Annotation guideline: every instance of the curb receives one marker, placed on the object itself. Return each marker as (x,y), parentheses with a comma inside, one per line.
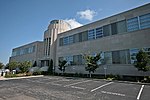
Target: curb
(138,83)
(20,77)
(116,81)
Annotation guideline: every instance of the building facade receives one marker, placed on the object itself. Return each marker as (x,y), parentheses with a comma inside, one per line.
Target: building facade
(30,52)
(50,36)
(118,37)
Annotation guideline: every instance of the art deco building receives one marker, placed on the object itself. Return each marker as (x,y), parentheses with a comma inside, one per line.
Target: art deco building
(118,37)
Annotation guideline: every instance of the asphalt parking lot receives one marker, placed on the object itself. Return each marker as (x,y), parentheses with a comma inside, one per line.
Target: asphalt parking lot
(67,88)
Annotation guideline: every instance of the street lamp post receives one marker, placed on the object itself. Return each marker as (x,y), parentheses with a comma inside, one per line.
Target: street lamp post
(105,70)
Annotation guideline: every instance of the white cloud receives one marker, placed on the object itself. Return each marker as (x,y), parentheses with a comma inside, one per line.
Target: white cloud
(73,23)
(87,14)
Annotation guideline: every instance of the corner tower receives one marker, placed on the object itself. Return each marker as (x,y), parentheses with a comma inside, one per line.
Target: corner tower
(50,36)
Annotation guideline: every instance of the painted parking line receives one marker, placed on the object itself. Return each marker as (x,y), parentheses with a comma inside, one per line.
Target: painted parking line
(77,83)
(113,93)
(63,80)
(35,81)
(140,92)
(101,86)
(78,87)
(54,84)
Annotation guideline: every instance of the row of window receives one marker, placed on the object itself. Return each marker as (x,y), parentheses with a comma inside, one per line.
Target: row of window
(127,56)
(47,44)
(139,22)
(133,24)
(23,51)
(73,60)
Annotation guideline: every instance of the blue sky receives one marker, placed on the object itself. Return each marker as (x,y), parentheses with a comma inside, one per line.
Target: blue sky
(24,21)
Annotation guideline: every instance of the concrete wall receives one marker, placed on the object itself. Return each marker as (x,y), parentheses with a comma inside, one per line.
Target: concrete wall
(115,69)
(137,39)
(35,56)
(127,40)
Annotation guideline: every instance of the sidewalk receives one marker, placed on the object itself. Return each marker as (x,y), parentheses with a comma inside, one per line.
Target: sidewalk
(3,78)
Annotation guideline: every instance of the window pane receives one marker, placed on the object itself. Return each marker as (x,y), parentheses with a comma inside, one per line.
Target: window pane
(132,24)
(106,30)
(114,28)
(124,57)
(85,36)
(76,38)
(14,53)
(99,32)
(69,60)
(147,50)
(121,27)
(145,21)
(115,57)
(70,39)
(66,40)
(91,34)
(77,59)
(108,58)
(80,37)
(133,53)
(61,42)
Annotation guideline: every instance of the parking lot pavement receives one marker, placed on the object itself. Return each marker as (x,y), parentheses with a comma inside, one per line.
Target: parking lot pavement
(68,88)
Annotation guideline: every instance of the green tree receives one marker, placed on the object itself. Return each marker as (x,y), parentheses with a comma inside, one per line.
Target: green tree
(1,65)
(50,68)
(92,63)
(143,61)
(62,65)
(24,66)
(12,65)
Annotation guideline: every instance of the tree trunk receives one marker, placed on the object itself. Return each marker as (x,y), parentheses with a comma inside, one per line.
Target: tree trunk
(90,74)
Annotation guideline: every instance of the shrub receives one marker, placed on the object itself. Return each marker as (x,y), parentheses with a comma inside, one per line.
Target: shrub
(113,77)
(29,74)
(37,73)
(10,75)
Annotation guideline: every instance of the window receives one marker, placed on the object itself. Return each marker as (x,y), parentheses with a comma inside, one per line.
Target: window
(115,57)
(144,21)
(69,60)
(99,32)
(124,57)
(114,28)
(121,27)
(91,34)
(120,57)
(147,50)
(132,24)
(77,59)
(76,38)
(21,52)
(108,57)
(30,50)
(54,22)
(84,36)
(106,30)
(65,40)
(14,53)
(33,49)
(70,39)
(80,37)
(61,42)
(133,53)
(101,60)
